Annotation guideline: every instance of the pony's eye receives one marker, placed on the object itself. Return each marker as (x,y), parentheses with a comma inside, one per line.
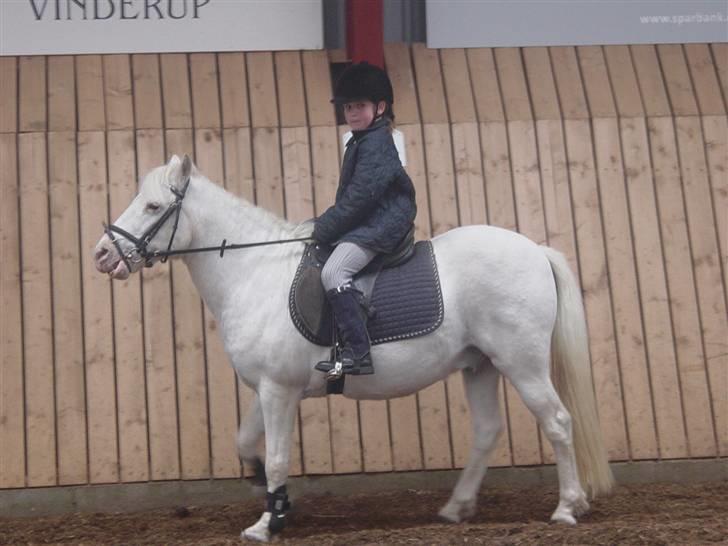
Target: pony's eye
(152,207)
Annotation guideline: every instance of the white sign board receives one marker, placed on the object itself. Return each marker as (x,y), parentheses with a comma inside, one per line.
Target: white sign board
(506,23)
(51,27)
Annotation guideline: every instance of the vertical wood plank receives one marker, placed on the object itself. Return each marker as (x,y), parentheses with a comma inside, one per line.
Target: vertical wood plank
(484,78)
(32,94)
(61,94)
(705,81)
(711,296)
(267,161)
(715,129)
(399,68)
(128,326)
(624,81)
(90,90)
(649,77)
(68,333)
(677,80)
(98,329)
(595,286)
(514,91)
(622,278)
(233,89)
(8,94)
(176,91)
(541,85)
(12,403)
(596,81)
(221,378)
(317,82)
(37,317)
(147,91)
(205,95)
(117,92)
(681,289)
(568,83)
(262,89)
(558,211)
(158,338)
(460,104)
(291,94)
(430,90)
(653,291)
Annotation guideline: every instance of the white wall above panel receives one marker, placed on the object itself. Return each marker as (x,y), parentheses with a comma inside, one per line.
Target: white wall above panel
(516,23)
(50,27)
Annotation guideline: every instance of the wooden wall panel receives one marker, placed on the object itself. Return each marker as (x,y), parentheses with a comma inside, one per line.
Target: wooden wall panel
(40,429)
(12,415)
(614,155)
(32,111)
(98,328)
(68,333)
(8,95)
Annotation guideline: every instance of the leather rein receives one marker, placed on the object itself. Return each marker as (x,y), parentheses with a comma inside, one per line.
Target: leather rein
(140,253)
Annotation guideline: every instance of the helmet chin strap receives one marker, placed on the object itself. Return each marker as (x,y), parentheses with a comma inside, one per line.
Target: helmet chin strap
(377,116)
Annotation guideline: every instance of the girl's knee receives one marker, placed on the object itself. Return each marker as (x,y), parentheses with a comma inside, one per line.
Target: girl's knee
(330,277)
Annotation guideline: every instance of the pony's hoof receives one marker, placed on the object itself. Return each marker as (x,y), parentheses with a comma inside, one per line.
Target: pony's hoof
(455,512)
(563,516)
(258,532)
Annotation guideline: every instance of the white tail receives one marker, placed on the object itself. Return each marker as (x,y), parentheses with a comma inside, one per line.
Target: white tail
(571,374)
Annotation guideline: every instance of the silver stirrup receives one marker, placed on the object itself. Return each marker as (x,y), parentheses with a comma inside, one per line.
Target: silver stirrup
(336,372)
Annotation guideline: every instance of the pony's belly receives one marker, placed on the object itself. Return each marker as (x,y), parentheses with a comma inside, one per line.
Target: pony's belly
(401,377)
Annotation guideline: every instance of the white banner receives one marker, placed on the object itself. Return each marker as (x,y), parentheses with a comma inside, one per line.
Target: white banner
(54,27)
(520,23)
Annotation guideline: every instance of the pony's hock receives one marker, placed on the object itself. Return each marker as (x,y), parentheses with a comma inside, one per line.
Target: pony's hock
(509,306)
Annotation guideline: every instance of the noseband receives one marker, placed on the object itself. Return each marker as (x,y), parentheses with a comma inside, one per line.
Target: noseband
(139,252)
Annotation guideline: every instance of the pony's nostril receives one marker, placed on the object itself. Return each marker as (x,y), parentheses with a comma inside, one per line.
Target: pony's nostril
(101,253)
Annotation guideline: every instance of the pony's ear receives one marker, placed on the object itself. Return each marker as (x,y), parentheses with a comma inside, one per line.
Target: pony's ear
(178,170)
(186,168)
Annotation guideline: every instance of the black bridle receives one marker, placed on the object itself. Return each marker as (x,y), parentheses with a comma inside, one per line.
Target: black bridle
(141,243)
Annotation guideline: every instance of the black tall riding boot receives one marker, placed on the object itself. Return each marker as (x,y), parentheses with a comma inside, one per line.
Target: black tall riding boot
(350,319)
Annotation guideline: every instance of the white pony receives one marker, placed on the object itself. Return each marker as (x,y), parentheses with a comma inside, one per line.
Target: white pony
(509,303)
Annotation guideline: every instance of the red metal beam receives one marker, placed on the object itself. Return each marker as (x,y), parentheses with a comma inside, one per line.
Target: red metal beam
(364,31)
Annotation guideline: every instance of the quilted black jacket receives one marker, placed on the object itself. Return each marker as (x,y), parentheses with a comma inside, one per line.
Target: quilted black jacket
(375,202)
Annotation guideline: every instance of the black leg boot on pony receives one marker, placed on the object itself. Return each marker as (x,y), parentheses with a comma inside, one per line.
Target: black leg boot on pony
(350,319)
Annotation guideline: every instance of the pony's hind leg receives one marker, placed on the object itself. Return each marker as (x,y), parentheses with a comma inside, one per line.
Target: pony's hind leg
(530,377)
(481,389)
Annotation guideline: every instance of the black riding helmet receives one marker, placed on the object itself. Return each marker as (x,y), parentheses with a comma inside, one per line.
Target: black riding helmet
(364,81)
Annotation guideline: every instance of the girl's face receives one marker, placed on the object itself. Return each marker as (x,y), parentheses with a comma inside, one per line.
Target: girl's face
(359,114)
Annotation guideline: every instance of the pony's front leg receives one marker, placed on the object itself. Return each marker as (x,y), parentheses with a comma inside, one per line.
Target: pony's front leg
(251,430)
(279,406)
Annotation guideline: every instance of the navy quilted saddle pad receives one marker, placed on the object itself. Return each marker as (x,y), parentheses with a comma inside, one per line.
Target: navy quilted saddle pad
(406,300)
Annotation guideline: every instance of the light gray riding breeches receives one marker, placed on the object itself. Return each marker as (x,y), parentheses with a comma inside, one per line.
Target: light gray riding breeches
(345,261)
